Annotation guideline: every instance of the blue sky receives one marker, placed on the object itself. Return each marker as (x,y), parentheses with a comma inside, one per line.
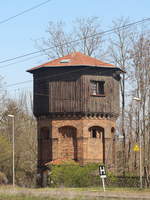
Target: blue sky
(18,35)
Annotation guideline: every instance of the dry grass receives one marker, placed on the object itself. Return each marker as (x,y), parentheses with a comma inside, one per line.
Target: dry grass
(17,193)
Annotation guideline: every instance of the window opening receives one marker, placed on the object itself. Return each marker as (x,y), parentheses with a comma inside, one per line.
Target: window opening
(94,133)
(97,87)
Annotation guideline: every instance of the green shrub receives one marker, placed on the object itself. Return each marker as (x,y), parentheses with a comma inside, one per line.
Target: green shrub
(111,177)
(70,174)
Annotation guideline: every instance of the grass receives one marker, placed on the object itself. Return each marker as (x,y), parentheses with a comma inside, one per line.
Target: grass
(17,193)
(22,197)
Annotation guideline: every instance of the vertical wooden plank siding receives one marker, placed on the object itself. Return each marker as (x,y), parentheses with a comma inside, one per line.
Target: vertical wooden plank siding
(71,93)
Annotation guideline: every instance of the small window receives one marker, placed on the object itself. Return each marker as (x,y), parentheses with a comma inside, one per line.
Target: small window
(65,61)
(94,133)
(97,88)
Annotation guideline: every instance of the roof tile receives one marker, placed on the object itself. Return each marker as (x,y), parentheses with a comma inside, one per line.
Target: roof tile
(74,59)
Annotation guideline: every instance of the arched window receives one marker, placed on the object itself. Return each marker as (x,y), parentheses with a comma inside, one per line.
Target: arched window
(68,142)
(113,133)
(96,132)
(113,144)
(113,130)
(67,131)
(97,143)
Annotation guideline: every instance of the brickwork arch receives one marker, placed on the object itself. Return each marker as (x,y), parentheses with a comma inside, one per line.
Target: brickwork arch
(68,131)
(113,130)
(96,132)
(113,145)
(97,139)
(67,142)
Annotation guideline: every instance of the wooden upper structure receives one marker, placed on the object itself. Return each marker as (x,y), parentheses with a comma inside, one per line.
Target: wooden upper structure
(76,84)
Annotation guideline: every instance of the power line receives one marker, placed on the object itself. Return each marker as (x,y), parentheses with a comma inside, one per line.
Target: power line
(23,12)
(77,40)
(13,63)
(24,82)
(18,83)
(57,75)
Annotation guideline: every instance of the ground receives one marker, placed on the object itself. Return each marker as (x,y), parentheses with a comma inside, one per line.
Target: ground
(10,193)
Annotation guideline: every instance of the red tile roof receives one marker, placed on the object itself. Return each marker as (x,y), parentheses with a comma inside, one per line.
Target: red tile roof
(74,59)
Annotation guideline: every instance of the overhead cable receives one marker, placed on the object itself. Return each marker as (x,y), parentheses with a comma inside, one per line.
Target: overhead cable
(77,40)
(23,12)
(56,75)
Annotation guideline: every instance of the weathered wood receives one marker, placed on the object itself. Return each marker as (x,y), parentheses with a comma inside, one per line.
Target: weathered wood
(68,90)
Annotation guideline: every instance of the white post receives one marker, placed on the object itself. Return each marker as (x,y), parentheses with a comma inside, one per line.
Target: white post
(102,174)
(103,182)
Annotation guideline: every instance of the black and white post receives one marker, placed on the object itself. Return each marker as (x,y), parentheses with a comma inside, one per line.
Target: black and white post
(102,174)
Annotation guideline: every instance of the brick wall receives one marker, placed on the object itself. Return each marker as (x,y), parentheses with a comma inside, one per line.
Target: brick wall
(71,138)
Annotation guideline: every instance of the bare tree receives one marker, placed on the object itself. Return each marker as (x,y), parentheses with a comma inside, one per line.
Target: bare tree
(83,37)
(141,59)
(87,31)
(58,39)
(119,55)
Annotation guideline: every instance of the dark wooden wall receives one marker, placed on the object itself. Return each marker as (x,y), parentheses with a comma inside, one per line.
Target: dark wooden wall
(65,96)
(41,97)
(67,90)
(109,103)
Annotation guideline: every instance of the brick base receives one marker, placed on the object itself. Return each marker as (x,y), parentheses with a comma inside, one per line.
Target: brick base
(72,139)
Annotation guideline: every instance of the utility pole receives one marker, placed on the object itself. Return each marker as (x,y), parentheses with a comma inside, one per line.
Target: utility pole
(13,141)
(137,99)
